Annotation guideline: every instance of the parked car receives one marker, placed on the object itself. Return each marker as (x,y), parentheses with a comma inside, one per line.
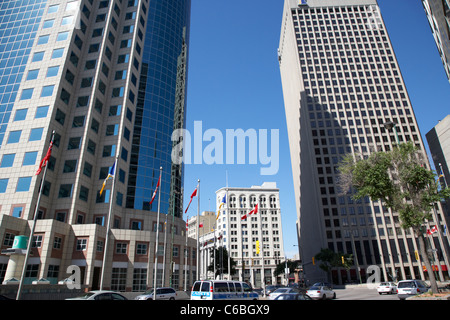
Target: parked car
(408,288)
(271,288)
(161,294)
(100,295)
(321,292)
(387,287)
(293,296)
(280,291)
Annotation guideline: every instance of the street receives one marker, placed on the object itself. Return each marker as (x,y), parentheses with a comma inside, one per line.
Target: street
(362,293)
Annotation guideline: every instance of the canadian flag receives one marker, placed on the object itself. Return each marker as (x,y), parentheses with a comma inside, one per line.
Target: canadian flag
(255,211)
(433,230)
(156,190)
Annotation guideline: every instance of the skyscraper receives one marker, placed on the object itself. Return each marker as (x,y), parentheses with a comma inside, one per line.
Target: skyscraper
(438,14)
(109,78)
(342,85)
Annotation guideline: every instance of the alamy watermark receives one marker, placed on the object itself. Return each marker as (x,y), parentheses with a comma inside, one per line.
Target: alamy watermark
(235,146)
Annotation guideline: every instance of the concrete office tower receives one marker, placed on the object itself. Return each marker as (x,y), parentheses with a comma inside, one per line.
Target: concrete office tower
(341,84)
(438,14)
(240,236)
(109,77)
(439,143)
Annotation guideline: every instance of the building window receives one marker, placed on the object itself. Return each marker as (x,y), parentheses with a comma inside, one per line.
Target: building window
(37,241)
(17,212)
(23,184)
(41,112)
(69,166)
(74,143)
(81,245)
(53,9)
(57,53)
(121,247)
(32,74)
(43,39)
(38,56)
(14,136)
(27,94)
(29,159)
(7,160)
(65,191)
(3,185)
(36,134)
(84,193)
(67,20)
(52,71)
(119,279)
(47,91)
(48,24)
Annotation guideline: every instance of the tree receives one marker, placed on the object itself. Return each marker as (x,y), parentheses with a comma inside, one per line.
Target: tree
(401,180)
(221,262)
(330,259)
(280,269)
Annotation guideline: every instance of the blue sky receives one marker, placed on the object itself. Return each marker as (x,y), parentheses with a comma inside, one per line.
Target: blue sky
(234,82)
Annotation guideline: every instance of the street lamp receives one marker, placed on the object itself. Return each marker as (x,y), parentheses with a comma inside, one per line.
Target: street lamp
(391,125)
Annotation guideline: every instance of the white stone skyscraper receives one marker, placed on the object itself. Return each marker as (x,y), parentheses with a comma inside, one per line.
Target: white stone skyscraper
(342,85)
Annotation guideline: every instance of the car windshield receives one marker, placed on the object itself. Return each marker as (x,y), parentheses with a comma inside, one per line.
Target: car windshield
(314,288)
(149,291)
(384,284)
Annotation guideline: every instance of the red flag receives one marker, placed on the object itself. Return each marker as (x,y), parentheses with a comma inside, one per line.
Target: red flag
(156,190)
(255,211)
(192,195)
(433,230)
(44,161)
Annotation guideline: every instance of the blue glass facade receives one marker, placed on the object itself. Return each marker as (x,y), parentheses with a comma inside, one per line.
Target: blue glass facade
(19,22)
(160,108)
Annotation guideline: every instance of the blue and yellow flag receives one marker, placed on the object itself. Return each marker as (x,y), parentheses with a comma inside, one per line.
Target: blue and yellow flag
(112,172)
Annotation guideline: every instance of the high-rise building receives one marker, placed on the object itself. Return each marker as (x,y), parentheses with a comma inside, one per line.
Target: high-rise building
(342,84)
(253,240)
(438,140)
(109,79)
(438,14)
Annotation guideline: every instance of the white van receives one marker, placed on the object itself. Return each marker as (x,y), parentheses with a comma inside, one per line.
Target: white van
(222,290)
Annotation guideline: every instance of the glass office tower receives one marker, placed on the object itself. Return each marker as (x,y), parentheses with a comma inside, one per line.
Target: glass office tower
(341,85)
(109,78)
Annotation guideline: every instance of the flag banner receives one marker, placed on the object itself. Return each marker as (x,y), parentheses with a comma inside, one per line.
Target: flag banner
(254,211)
(44,160)
(156,190)
(200,225)
(111,174)
(192,195)
(224,200)
(433,230)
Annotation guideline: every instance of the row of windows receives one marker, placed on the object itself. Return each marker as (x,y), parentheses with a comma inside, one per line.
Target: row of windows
(35,135)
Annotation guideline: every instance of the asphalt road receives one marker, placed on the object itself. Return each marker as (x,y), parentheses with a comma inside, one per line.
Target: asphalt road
(362,293)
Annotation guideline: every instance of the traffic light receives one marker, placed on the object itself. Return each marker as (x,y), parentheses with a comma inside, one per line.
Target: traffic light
(343,260)
(313,261)
(257,247)
(417,255)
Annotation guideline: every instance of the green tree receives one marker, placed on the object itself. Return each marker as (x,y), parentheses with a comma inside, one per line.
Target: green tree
(221,262)
(280,269)
(401,180)
(330,259)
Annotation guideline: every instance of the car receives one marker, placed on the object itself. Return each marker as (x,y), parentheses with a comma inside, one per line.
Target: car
(387,287)
(100,295)
(293,296)
(161,294)
(279,291)
(320,292)
(322,284)
(408,288)
(271,288)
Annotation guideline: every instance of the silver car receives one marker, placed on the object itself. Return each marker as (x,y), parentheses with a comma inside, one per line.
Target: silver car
(321,292)
(408,288)
(161,294)
(100,295)
(387,287)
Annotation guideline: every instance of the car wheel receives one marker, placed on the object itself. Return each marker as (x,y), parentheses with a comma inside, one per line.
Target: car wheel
(171,298)
(324,296)
(334,295)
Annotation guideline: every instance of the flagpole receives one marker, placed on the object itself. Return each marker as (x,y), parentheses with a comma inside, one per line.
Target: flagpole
(185,255)
(261,249)
(108,225)
(198,229)
(228,224)
(164,254)
(30,240)
(157,239)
